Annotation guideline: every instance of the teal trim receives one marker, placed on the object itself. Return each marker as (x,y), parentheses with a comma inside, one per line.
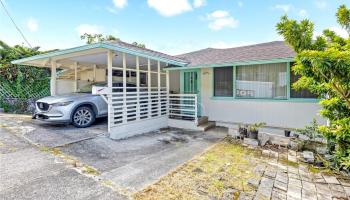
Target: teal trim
(182,82)
(57,53)
(94,46)
(292,100)
(199,78)
(288,80)
(252,62)
(222,98)
(233,84)
(305,100)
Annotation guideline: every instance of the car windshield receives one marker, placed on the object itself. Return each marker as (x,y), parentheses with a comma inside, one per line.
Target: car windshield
(88,88)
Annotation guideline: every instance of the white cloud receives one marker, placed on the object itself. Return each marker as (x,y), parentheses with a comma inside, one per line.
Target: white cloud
(284,7)
(302,13)
(240,4)
(339,31)
(120,3)
(170,7)
(321,4)
(220,19)
(199,3)
(225,45)
(89,28)
(32,24)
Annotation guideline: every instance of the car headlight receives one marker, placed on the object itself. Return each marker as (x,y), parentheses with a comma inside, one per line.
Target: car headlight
(61,104)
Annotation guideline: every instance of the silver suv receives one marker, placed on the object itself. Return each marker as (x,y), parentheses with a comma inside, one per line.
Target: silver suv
(80,109)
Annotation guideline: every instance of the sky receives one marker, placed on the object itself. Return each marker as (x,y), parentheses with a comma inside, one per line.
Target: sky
(169,26)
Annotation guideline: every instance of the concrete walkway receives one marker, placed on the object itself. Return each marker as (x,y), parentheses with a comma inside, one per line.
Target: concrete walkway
(280,180)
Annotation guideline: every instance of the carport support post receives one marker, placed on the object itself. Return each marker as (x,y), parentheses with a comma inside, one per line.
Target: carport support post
(159,104)
(94,72)
(167,89)
(149,88)
(109,83)
(76,77)
(124,90)
(53,78)
(138,88)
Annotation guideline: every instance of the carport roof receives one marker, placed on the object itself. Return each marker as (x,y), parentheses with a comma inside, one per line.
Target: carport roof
(117,45)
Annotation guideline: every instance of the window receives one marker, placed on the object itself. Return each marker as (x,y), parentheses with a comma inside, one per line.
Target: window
(223,81)
(304,93)
(266,81)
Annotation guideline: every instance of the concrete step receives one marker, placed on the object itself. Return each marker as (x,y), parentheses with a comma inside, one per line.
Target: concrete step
(202,120)
(206,126)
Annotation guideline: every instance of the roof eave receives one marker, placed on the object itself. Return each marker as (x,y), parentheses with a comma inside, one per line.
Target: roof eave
(238,63)
(93,46)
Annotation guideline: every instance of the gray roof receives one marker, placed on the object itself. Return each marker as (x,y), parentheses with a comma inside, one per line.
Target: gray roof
(257,52)
(146,51)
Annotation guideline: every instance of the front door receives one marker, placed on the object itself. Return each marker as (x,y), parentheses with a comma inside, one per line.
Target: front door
(190,82)
(191,85)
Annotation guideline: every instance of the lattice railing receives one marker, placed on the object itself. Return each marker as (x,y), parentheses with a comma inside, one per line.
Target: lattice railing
(183,107)
(136,105)
(24,92)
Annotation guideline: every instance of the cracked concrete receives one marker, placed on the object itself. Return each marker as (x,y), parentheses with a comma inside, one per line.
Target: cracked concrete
(26,172)
(126,165)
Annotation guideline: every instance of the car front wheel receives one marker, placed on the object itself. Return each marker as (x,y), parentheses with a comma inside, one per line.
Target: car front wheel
(83,117)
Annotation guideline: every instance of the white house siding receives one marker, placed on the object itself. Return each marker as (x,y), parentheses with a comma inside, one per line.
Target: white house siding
(274,113)
(174,81)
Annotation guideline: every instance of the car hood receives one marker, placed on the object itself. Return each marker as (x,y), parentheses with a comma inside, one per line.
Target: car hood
(64,98)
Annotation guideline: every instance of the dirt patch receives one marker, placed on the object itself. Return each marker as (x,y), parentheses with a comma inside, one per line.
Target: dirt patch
(221,172)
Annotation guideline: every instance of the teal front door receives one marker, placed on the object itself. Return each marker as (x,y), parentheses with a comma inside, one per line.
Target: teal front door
(190,82)
(191,85)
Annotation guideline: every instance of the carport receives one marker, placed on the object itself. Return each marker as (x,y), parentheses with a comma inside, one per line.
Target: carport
(137,91)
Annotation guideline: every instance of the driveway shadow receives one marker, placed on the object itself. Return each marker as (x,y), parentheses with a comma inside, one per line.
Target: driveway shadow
(55,135)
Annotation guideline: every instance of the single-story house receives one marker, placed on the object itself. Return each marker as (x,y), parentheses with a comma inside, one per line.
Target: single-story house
(247,84)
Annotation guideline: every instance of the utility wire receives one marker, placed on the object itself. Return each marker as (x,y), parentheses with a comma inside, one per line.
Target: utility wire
(19,30)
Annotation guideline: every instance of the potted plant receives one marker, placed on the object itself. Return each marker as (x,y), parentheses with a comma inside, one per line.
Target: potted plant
(243,131)
(254,130)
(287,133)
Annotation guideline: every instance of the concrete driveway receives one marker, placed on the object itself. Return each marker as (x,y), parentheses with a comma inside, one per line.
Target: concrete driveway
(128,165)
(26,172)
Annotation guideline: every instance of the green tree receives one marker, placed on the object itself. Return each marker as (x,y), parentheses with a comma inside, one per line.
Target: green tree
(139,45)
(324,66)
(15,77)
(94,38)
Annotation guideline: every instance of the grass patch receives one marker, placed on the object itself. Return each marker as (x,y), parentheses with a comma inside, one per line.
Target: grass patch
(90,170)
(86,169)
(225,166)
(288,162)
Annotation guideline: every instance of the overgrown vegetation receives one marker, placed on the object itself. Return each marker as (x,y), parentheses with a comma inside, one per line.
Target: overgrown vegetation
(324,66)
(19,84)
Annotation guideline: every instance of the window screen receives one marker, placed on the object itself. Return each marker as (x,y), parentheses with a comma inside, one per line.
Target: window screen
(223,81)
(262,81)
(303,93)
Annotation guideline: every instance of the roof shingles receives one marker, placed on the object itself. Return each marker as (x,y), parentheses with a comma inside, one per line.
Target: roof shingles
(258,52)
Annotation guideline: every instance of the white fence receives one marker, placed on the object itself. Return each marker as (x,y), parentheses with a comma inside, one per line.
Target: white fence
(183,107)
(146,104)
(136,105)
